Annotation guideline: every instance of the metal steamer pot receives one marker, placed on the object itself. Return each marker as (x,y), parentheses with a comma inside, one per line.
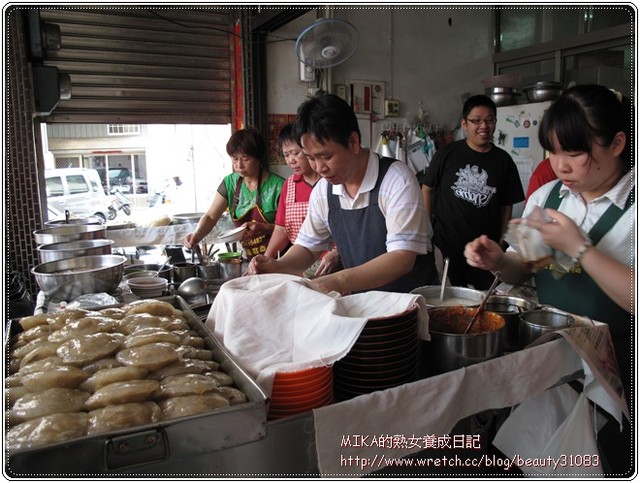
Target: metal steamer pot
(510,308)
(538,322)
(67,233)
(451,349)
(51,252)
(466,297)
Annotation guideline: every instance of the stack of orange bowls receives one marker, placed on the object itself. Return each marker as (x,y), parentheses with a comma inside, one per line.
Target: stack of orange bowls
(300,391)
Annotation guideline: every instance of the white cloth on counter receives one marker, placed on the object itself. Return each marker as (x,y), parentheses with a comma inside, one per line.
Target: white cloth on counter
(555,432)
(432,406)
(158,235)
(277,322)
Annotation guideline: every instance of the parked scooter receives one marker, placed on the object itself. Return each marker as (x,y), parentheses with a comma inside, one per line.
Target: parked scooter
(119,202)
(161,197)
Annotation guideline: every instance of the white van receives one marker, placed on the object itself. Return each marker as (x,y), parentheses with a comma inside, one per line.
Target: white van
(77,190)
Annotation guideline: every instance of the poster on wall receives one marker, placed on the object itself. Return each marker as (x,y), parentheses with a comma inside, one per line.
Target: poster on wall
(276,123)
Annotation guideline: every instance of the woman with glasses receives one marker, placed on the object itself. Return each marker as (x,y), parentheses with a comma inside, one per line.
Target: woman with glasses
(469,189)
(250,194)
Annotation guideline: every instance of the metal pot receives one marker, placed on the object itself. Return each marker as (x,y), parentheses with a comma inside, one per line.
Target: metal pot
(536,323)
(451,349)
(59,251)
(183,271)
(184,218)
(67,233)
(502,96)
(510,308)
(466,297)
(209,272)
(543,91)
(69,278)
(94,220)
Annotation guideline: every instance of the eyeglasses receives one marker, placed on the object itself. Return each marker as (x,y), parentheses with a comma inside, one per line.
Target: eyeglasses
(478,122)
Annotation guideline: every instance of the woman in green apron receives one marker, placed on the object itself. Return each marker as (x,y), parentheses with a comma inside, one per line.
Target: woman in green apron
(250,194)
(590,221)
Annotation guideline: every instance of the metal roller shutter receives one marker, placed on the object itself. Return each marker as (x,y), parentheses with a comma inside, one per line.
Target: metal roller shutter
(144,65)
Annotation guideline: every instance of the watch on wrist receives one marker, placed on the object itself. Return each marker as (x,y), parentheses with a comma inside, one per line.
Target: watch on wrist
(582,250)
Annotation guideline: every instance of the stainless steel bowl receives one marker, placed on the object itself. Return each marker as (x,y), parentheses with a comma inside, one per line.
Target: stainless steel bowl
(148,269)
(69,278)
(543,91)
(59,251)
(510,308)
(536,323)
(67,233)
(466,297)
(502,96)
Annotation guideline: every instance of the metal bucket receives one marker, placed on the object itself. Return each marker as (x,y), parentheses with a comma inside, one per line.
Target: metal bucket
(451,349)
(467,297)
(536,323)
(209,272)
(232,268)
(510,308)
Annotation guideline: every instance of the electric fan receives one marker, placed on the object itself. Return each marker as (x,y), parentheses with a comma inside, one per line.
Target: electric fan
(326,43)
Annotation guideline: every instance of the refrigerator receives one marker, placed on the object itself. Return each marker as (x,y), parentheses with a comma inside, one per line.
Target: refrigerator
(517,133)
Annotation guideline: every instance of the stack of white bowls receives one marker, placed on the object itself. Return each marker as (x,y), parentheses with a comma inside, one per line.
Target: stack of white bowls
(147,287)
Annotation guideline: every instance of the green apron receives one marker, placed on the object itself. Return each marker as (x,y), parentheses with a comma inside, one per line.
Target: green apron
(576,291)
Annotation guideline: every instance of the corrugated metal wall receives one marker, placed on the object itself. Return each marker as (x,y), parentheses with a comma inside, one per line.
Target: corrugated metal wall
(139,65)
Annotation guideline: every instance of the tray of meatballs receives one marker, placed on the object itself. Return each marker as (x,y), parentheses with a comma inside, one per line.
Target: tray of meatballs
(100,391)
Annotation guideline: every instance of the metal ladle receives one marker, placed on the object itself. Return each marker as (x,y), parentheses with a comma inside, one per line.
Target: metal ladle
(192,287)
(444,278)
(166,262)
(482,305)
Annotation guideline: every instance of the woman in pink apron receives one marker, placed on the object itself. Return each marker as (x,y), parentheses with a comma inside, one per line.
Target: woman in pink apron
(294,202)
(250,194)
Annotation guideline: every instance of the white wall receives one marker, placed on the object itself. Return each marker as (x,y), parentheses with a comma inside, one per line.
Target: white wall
(412,49)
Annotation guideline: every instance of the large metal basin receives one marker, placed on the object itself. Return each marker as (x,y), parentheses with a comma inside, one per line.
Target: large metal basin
(69,278)
(451,349)
(79,248)
(510,308)
(67,233)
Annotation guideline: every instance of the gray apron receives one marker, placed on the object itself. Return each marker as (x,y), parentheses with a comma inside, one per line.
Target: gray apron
(361,235)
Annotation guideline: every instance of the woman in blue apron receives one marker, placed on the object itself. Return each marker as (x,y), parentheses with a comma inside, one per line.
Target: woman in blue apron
(591,221)
(250,194)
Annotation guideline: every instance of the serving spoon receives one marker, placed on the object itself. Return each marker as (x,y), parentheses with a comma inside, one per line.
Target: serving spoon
(444,279)
(482,305)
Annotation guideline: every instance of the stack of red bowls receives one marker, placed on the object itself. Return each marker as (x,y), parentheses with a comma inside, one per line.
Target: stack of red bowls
(385,355)
(300,391)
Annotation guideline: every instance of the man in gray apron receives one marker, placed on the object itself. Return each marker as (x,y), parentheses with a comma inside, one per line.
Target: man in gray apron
(372,208)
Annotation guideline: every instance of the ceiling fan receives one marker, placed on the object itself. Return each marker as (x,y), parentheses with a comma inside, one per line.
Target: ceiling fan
(326,43)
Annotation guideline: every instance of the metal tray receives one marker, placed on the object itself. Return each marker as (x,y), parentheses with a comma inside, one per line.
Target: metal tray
(166,442)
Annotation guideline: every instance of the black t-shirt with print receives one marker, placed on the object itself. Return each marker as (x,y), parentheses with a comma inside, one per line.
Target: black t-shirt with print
(470,188)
